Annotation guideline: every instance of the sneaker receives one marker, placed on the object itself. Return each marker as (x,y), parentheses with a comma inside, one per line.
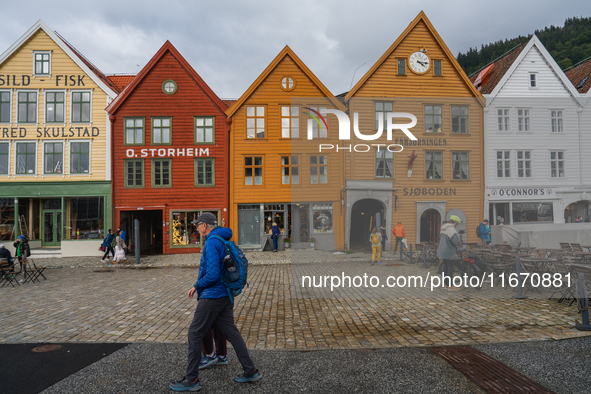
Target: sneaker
(222,360)
(103,261)
(253,377)
(185,385)
(207,361)
(379,263)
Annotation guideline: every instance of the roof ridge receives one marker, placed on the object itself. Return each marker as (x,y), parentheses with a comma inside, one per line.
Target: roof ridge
(495,60)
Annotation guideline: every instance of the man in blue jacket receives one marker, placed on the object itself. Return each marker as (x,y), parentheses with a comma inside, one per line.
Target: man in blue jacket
(213,305)
(484,232)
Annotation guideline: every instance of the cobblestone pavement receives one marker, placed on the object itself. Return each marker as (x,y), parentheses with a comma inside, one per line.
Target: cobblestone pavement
(124,304)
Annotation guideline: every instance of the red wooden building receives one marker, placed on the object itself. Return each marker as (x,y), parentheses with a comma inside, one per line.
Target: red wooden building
(170,150)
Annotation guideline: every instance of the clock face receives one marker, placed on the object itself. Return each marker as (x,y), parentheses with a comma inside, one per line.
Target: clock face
(419,62)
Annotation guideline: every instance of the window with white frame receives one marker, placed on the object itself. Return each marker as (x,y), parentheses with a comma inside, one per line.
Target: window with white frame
(433,118)
(290,170)
(5,107)
(522,119)
(556,116)
(533,80)
(524,164)
(503,164)
(557,164)
(255,122)
(384,164)
(318,130)
(79,157)
(318,169)
(42,61)
(27,107)
(503,119)
(4,157)
(53,157)
(26,159)
(290,122)
(55,107)
(381,109)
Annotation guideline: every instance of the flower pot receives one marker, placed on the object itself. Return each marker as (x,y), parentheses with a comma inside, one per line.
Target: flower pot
(312,245)
(287,245)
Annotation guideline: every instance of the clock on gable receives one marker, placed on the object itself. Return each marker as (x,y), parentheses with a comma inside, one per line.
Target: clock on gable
(419,62)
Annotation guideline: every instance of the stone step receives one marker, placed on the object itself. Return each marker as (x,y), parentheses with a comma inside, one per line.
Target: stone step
(46,253)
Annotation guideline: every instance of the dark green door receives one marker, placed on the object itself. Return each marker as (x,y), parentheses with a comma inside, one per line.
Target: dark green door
(52,227)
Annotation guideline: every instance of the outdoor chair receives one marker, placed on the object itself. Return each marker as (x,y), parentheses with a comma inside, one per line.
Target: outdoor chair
(564,245)
(33,272)
(8,274)
(565,291)
(576,248)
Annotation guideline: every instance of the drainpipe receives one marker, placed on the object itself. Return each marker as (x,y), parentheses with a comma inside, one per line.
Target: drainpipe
(112,158)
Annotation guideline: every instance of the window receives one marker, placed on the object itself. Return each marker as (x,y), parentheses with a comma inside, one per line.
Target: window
(433,118)
(384,164)
(556,121)
(255,122)
(522,119)
(526,212)
(79,157)
(161,173)
(204,172)
(504,164)
(503,119)
(253,170)
(434,165)
(54,107)
(205,130)
(27,107)
(381,110)
(401,67)
(42,63)
(437,67)
(315,132)
(4,149)
(460,165)
(459,120)
(523,164)
(5,107)
(134,173)
(25,157)
(287,84)
(322,218)
(134,131)
(183,233)
(80,107)
(533,83)
(287,168)
(84,218)
(161,131)
(169,87)
(290,122)
(557,164)
(53,159)
(318,169)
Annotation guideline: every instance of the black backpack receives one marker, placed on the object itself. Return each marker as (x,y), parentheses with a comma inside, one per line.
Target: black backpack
(478,233)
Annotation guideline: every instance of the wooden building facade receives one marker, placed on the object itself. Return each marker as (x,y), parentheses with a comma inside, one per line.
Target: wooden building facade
(170,138)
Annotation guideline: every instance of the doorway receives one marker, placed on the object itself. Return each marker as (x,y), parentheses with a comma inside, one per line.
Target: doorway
(364,215)
(576,209)
(430,226)
(52,223)
(150,236)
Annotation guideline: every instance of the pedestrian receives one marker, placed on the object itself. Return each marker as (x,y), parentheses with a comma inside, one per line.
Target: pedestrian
(449,240)
(119,255)
(122,233)
(211,356)
(22,249)
(398,232)
(579,220)
(5,254)
(275,235)
(108,244)
(214,305)
(488,235)
(376,244)
(483,226)
(384,237)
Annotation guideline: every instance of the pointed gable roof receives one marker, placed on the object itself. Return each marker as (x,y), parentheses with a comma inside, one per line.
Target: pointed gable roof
(284,53)
(166,48)
(420,17)
(580,75)
(93,73)
(501,66)
(549,60)
(121,81)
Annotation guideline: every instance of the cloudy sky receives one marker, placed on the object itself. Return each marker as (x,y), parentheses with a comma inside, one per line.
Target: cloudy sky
(229,43)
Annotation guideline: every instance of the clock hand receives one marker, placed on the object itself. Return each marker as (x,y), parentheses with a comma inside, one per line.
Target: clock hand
(422,63)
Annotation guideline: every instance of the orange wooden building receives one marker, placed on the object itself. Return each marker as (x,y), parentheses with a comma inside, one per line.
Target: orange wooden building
(419,182)
(170,139)
(270,181)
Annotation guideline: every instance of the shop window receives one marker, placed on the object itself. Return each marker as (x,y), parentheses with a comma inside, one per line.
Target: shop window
(503,164)
(134,131)
(253,170)
(4,157)
(79,157)
(532,212)
(381,109)
(26,160)
(183,233)
(460,165)
(84,218)
(54,107)
(53,159)
(290,170)
(275,213)
(161,131)
(80,107)
(459,120)
(434,165)
(5,107)
(318,169)
(522,119)
(161,173)
(205,130)
(134,173)
(322,218)
(290,122)
(204,172)
(42,63)
(556,117)
(523,164)
(384,164)
(27,107)
(503,119)
(433,116)
(557,164)
(255,122)
(6,219)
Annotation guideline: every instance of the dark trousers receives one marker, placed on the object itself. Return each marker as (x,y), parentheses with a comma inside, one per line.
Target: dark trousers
(217,336)
(398,241)
(220,311)
(448,272)
(109,249)
(274,242)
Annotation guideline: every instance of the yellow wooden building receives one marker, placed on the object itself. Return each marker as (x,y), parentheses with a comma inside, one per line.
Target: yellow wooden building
(55,166)
(274,177)
(424,181)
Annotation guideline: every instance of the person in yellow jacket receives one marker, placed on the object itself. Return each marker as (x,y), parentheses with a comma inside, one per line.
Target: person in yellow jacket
(376,244)
(398,232)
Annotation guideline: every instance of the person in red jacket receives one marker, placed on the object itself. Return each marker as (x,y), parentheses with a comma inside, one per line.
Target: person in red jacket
(398,232)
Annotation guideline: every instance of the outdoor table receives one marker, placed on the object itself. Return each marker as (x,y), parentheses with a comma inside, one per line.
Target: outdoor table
(541,263)
(588,247)
(524,249)
(581,256)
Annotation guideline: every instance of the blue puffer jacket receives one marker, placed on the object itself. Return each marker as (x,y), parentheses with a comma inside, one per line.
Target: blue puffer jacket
(108,240)
(210,270)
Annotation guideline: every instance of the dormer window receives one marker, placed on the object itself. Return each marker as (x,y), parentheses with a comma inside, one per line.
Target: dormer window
(42,63)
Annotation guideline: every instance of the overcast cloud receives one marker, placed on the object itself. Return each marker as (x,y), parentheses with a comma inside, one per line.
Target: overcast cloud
(229,43)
